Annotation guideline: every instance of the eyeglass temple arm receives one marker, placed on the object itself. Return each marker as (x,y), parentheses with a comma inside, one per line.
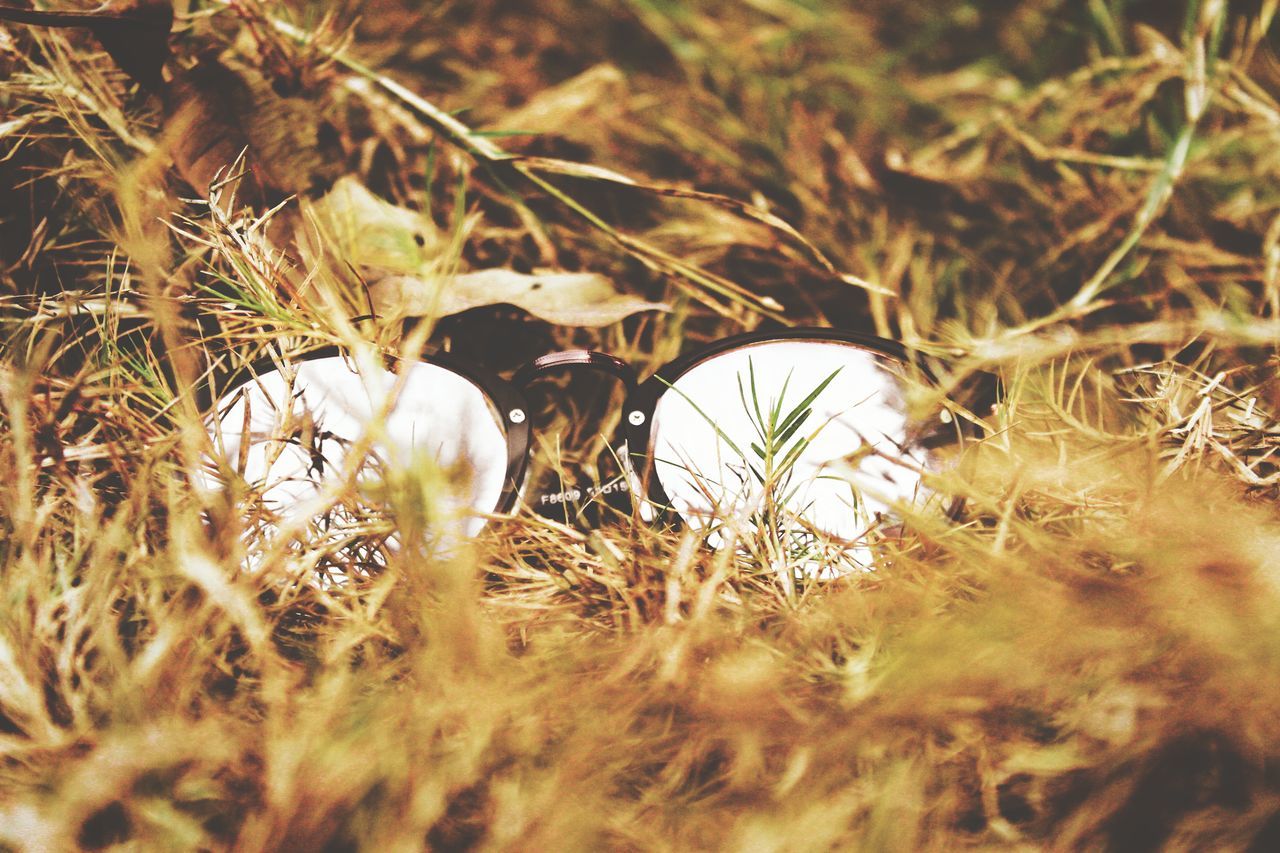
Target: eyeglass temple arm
(603,362)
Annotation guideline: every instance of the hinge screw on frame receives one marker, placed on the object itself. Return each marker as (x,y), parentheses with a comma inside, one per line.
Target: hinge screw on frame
(516,416)
(636,418)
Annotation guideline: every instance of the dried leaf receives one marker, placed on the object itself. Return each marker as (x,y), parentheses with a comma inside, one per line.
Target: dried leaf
(203,135)
(567,299)
(561,108)
(705,232)
(219,109)
(373,234)
(215,112)
(405,247)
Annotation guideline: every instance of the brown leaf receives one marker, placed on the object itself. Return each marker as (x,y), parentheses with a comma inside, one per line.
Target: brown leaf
(215,111)
(219,109)
(378,237)
(566,299)
(561,108)
(135,33)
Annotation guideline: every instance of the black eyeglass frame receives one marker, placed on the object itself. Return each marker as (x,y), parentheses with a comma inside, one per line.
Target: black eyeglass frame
(513,408)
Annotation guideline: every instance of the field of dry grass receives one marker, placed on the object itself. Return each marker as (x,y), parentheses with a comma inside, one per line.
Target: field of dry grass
(1080,198)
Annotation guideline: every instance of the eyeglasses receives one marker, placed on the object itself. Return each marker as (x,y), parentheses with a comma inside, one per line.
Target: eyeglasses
(805,429)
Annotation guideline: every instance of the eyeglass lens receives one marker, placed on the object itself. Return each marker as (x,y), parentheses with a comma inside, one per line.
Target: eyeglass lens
(814,432)
(288,432)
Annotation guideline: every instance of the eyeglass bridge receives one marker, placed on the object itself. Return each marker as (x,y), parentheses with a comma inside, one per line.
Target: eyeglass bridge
(576,358)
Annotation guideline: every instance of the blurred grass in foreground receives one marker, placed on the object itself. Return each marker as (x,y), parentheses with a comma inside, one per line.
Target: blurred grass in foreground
(1081,197)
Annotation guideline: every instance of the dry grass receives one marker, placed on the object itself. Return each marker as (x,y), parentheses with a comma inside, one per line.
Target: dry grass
(1081,199)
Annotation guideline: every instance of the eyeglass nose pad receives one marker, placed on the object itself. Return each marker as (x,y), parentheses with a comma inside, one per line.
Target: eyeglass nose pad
(636,485)
(576,358)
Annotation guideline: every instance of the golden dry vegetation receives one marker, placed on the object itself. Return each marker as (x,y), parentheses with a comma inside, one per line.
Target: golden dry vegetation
(1081,198)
